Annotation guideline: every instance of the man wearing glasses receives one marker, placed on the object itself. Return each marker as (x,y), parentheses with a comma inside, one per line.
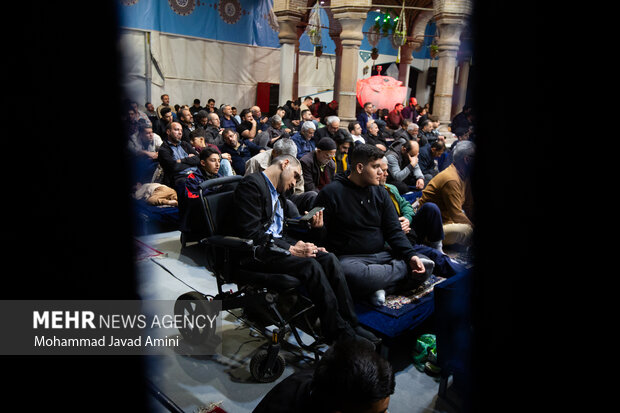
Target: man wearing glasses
(260,213)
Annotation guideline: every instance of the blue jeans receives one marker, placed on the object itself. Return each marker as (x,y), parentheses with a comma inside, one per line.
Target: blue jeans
(225,168)
(427,223)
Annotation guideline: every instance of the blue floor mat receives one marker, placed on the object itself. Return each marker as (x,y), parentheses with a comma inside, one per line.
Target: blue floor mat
(395,320)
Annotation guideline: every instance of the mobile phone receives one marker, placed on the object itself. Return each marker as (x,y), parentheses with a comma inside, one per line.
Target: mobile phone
(310,214)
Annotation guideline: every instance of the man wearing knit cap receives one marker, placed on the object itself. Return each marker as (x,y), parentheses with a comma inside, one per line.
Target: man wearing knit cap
(318,166)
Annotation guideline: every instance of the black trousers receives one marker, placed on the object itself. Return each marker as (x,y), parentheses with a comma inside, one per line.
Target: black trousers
(323,279)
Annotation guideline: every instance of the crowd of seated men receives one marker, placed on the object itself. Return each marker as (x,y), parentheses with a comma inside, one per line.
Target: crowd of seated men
(369,240)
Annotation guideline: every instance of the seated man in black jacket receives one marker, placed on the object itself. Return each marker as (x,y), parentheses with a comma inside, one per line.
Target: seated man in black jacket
(260,211)
(240,150)
(332,130)
(360,218)
(213,130)
(177,158)
(318,166)
(375,137)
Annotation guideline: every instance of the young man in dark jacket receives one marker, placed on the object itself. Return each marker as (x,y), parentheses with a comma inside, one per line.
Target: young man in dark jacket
(360,218)
(191,215)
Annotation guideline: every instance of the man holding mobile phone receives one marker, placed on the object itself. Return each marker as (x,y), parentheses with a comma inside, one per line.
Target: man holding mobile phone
(260,213)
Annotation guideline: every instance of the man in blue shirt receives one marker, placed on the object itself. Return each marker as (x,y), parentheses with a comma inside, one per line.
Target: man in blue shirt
(227,120)
(259,210)
(304,139)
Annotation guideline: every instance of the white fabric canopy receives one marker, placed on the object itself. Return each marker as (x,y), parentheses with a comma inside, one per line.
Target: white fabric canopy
(199,68)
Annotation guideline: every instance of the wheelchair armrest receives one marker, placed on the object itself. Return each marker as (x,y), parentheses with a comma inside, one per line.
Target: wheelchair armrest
(297,225)
(229,242)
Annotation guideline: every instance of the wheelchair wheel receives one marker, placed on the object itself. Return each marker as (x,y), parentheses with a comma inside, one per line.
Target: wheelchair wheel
(258,367)
(192,304)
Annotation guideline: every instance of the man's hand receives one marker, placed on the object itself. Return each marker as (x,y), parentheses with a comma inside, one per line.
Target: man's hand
(404,224)
(317,220)
(226,156)
(416,265)
(305,249)
(419,184)
(413,160)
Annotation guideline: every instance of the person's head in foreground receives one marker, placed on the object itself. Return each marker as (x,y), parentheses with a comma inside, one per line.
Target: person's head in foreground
(352,378)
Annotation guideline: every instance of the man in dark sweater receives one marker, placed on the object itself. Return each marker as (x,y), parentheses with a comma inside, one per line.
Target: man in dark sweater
(360,218)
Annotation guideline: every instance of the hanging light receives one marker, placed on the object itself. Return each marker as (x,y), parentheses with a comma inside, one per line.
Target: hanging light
(373,36)
(399,37)
(313,30)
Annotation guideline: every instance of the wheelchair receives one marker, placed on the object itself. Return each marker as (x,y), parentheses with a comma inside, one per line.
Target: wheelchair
(266,299)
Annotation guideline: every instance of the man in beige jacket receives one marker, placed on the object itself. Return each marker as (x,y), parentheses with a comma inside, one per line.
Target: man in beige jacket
(450,190)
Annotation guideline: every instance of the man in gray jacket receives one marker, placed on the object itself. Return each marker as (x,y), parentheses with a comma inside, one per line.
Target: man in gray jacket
(402,157)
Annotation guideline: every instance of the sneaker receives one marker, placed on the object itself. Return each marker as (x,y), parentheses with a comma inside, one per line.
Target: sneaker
(378,298)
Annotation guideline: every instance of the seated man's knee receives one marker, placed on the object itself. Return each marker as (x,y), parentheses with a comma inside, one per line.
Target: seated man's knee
(429,208)
(457,234)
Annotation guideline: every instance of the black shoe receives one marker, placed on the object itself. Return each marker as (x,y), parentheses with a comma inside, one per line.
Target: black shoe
(362,332)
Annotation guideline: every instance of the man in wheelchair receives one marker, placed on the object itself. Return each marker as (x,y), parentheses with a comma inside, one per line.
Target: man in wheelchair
(260,213)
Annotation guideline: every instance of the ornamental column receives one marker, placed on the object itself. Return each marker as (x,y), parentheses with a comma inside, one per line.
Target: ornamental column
(461,86)
(460,89)
(451,19)
(352,19)
(406,57)
(289,14)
